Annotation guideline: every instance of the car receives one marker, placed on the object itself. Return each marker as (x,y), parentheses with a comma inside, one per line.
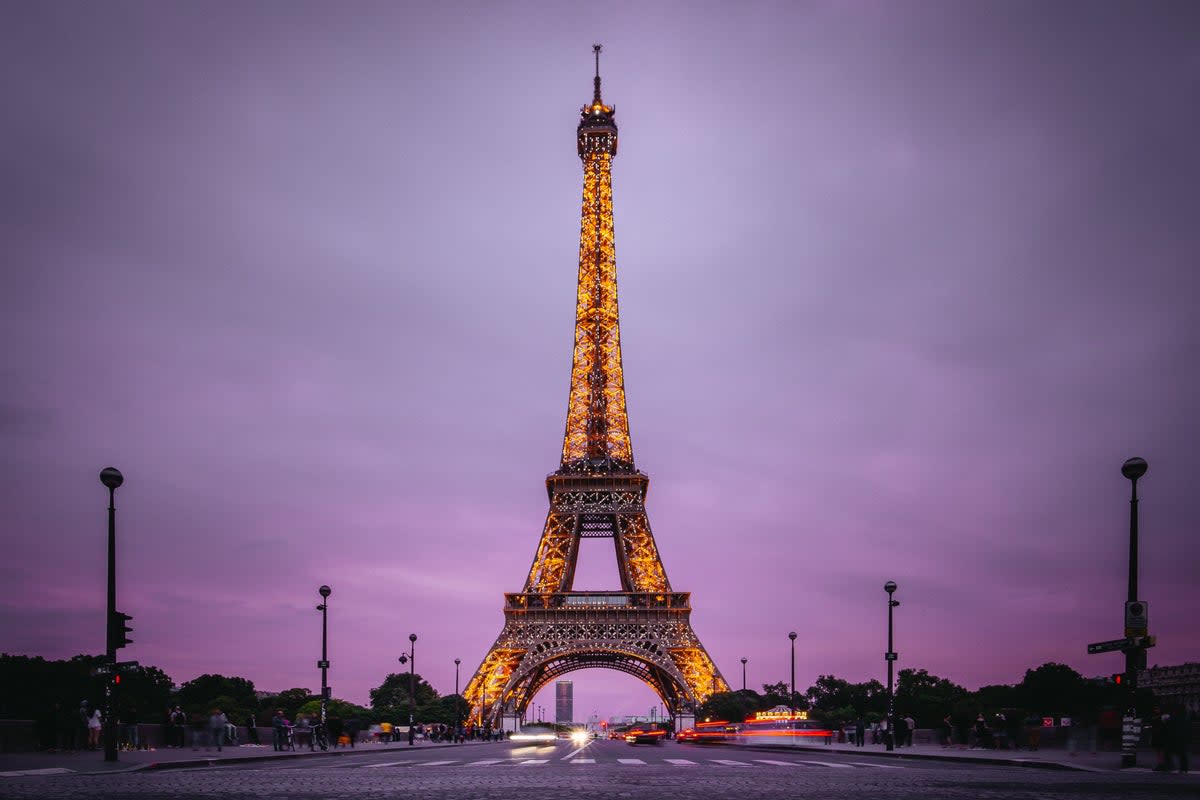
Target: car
(534,733)
(644,735)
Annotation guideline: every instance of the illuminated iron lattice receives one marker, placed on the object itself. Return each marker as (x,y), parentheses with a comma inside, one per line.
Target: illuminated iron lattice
(550,629)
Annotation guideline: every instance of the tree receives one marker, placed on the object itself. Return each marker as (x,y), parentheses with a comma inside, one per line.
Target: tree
(390,699)
(831,693)
(206,692)
(1052,688)
(776,694)
(728,706)
(288,701)
(926,697)
(335,709)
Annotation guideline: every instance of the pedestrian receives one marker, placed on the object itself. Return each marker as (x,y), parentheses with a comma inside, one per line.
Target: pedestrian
(252,730)
(216,727)
(901,731)
(82,729)
(1084,731)
(94,723)
(178,723)
(860,732)
(335,728)
(983,734)
(947,731)
(1033,731)
(279,729)
(129,719)
(1013,729)
(910,725)
(1158,738)
(1179,737)
(353,726)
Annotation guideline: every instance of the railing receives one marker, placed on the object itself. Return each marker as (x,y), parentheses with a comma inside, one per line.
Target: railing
(582,601)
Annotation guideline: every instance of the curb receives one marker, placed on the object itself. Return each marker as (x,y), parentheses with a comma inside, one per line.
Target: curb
(991,760)
(210,761)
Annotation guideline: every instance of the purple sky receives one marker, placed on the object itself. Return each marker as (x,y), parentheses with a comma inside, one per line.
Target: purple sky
(902,286)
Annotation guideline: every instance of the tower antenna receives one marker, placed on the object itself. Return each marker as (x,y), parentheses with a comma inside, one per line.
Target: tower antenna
(596,94)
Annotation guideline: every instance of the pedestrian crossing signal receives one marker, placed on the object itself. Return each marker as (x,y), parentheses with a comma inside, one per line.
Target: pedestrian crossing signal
(1118,678)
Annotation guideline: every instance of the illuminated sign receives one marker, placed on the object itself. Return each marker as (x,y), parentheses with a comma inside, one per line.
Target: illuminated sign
(778,712)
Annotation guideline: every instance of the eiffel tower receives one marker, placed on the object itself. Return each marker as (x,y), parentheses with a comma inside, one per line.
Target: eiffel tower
(549,629)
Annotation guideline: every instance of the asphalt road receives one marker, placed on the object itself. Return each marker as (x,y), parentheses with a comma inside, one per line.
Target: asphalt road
(602,769)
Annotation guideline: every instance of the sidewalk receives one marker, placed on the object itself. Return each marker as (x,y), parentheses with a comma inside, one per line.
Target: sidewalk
(1105,761)
(92,762)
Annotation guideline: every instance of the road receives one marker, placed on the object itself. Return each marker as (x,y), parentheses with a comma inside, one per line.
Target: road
(601,769)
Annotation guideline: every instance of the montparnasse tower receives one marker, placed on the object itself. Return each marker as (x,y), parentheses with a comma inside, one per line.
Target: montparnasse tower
(550,627)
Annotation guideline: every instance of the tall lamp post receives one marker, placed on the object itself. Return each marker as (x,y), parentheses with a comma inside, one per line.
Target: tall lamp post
(412,686)
(457,702)
(1135,658)
(792,696)
(744,660)
(890,657)
(112,478)
(324,591)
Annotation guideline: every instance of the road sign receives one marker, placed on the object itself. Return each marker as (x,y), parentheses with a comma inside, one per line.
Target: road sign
(103,669)
(322,664)
(1109,646)
(127,665)
(890,656)
(1136,618)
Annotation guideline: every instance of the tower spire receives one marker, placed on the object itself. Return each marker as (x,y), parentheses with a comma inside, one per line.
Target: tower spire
(596,94)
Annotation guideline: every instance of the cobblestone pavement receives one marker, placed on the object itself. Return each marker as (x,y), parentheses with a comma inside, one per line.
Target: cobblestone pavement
(601,770)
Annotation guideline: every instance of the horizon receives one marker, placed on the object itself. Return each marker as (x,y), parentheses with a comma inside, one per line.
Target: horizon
(901,288)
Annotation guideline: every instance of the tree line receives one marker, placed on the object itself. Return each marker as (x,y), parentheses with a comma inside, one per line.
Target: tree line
(42,690)
(1049,690)
(34,688)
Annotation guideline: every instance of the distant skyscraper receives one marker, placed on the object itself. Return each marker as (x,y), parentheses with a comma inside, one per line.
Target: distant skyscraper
(564,702)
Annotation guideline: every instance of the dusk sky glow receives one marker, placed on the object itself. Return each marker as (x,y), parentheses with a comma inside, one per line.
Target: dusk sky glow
(902,284)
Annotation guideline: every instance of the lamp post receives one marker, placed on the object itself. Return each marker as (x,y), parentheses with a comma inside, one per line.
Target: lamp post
(1135,658)
(112,478)
(890,657)
(324,591)
(744,660)
(412,686)
(457,702)
(792,695)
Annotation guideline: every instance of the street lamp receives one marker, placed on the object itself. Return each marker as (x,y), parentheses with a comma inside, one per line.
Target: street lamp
(412,686)
(744,660)
(112,478)
(1135,658)
(457,702)
(792,696)
(324,591)
(890,657)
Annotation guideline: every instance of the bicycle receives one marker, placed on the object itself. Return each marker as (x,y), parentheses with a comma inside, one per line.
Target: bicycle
(319,738)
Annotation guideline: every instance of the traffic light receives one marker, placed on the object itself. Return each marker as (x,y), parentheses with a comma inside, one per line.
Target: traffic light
(1118,678)
(117,630)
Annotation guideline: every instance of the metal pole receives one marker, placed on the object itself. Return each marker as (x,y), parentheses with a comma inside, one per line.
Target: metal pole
(412,686)
(1135,659)
(792,695)
(744,674)
(110,720)
(890,657)
(457,702)
(324,591)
